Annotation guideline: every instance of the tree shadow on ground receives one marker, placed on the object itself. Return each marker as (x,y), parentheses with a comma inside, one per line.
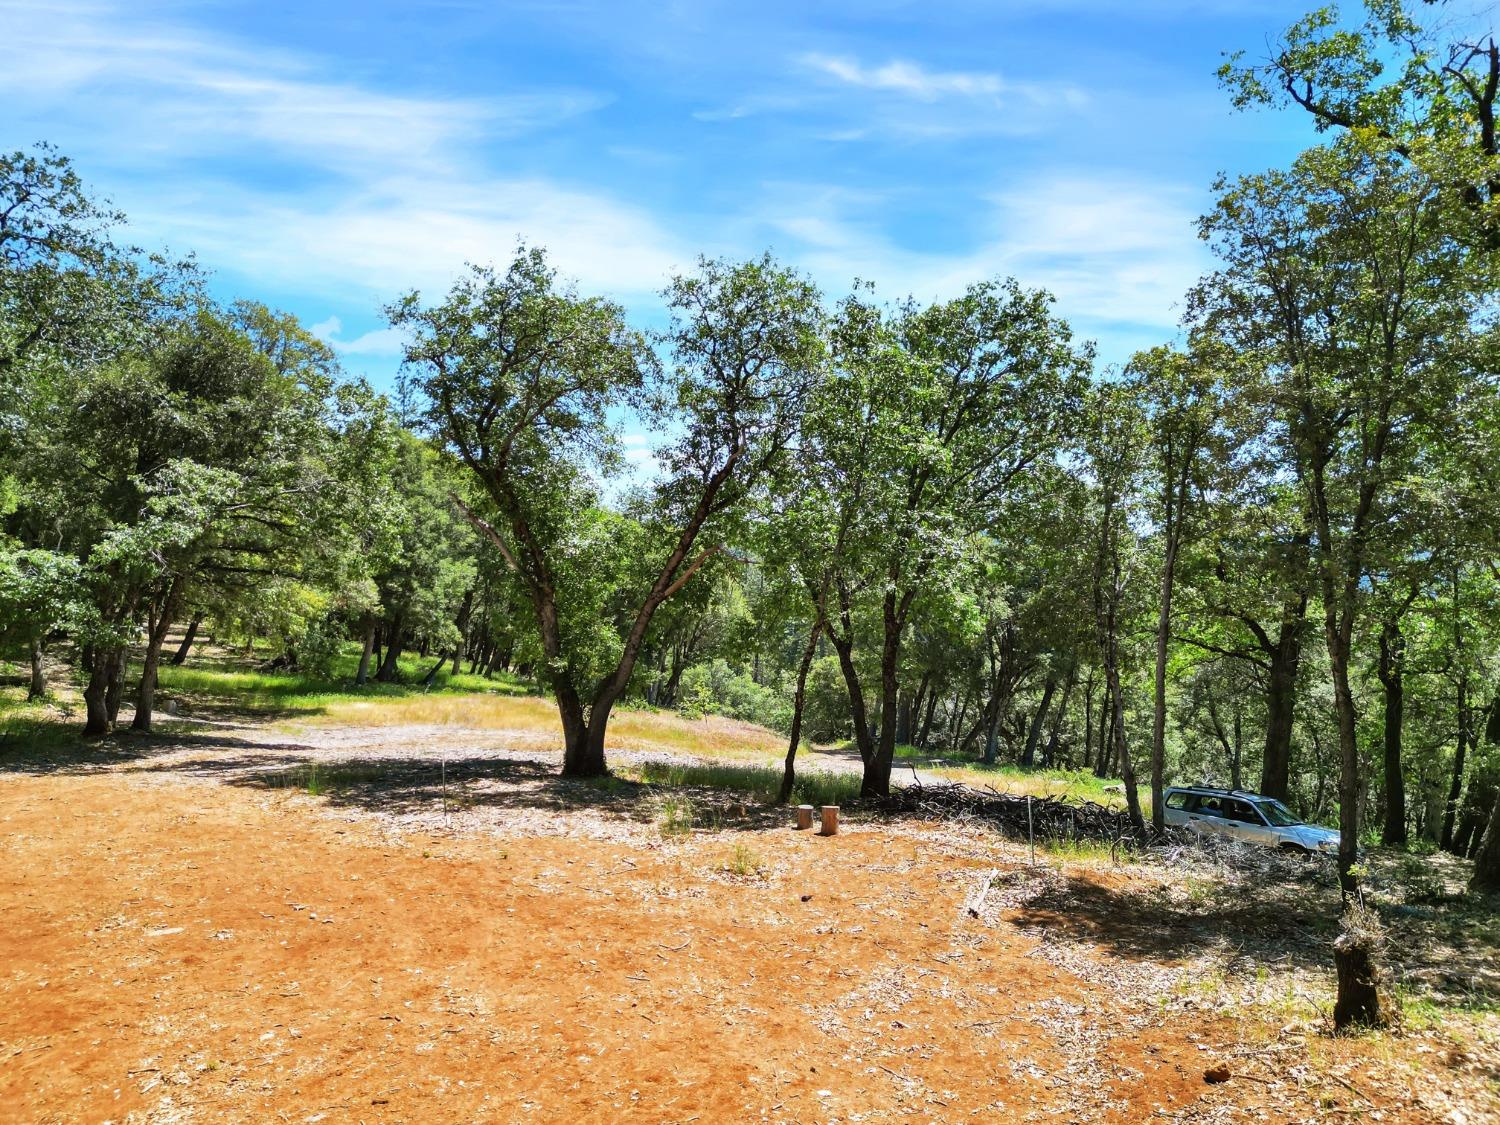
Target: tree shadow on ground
(413,786)
(50,751)
(1250,925)
(490,787)
(1446,952)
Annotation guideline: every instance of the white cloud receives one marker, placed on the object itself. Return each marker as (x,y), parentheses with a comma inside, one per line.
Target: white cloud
(408,232)
(903,100)
(383,342)
(911,80)
(381,192)
(389,191)
(906,77)
(165,89)
(1119,260)
(638,450)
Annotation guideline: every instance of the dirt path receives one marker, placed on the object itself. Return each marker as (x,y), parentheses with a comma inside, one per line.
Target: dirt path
(185,941)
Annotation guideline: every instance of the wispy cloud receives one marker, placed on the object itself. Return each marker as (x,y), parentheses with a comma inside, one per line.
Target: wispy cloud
(906,77)
(349,189)
(1118,262)
(410,232)
(183,91)
(840,98)
(384,342)
(909,79)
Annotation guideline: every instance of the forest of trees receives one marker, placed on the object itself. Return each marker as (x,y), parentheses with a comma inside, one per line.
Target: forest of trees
(1263,555)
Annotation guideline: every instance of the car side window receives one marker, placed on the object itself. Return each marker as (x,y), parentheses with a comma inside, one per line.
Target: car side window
(1210,806)
(1243,812)
(1181,801)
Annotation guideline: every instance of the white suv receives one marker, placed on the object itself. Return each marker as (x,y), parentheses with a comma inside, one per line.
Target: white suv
(1246,816)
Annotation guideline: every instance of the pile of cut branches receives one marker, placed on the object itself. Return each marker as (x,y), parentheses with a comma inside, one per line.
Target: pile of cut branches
(1050,818)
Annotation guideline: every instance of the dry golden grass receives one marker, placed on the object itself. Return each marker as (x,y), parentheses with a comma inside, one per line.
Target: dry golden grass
(1075,785)
(713,736)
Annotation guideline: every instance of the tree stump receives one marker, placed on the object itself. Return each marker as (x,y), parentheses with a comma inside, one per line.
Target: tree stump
(830,821)
(1356,958)
(804,817)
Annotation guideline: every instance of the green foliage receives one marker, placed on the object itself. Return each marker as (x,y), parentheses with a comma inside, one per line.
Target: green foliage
(714,688)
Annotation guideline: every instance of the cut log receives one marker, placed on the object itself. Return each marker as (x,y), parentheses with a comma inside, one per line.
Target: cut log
(830,815)
(975,904)
(804,817)
(1356,957)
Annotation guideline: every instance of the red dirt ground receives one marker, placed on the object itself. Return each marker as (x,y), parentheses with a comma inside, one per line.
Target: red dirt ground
(179,950)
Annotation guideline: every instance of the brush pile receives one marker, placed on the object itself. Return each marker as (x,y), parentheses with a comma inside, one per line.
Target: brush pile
(1050,819)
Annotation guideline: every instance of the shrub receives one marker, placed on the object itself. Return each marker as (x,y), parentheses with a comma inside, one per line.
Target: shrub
(825,708)
(714,688)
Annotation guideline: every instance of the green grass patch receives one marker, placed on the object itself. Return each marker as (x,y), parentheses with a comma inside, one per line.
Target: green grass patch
(1085,851)
(759,782)
(675,815)
(31,727)
(228,682)
(744,861)
(319,778)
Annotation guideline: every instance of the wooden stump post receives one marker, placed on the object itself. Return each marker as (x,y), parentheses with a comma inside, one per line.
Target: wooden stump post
(830,821)
(804,817)
(1356,957)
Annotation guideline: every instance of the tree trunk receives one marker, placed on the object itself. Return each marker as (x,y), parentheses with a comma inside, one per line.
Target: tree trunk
(1478,798)
(674,681)
(180,656)
(579,759)
(38,686)
(115,692)
(956,725)
(1088,720)
(932,698)
(903,719)
(1104,746)
(1121,749)
(788,773)
(387,673)
(1159,713)
(589,760)
(1486,875)
(1107,597)
(96,691)
(991,724)
(363,674)
(1343,700)
(923,698)
(1034,731)
(145,696)
(844,647)
(1456,786)
(1235,780)
(464,612)
(877,776)
(1392,678)
(1285,656)
(1049,756)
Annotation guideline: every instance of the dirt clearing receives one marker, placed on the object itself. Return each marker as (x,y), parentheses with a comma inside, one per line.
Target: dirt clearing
(180,949)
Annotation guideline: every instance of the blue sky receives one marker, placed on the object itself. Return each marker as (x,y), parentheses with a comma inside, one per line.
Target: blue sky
(326,157)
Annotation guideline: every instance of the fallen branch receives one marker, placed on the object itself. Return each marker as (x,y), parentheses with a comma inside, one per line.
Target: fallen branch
(975,903)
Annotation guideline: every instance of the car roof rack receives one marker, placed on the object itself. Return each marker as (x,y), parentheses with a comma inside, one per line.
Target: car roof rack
(1220,789)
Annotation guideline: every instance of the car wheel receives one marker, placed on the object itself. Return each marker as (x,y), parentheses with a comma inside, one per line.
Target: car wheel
(1295,849)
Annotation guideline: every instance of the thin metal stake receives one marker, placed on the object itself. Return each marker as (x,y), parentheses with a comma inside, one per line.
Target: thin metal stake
(1029,834)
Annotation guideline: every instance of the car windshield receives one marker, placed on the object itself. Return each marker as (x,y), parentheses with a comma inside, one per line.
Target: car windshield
(1278,814)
